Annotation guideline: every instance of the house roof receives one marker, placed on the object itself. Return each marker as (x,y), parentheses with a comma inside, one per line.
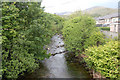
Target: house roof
(108,16)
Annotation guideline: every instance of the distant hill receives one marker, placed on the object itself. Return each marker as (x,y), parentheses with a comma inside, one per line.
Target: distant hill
(96,11)
(64,13)
(100,11)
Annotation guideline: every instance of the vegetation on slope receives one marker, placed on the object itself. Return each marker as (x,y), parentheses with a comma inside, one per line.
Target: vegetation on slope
(96,11)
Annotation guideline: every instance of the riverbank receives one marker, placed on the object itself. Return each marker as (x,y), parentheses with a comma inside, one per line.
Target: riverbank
(95,75)
(80,59)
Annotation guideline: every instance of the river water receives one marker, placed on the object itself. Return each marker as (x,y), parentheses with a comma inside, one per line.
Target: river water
(57,66)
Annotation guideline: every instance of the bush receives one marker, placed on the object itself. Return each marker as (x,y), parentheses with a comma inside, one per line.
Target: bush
(104,59)
(80,33)
(104,28)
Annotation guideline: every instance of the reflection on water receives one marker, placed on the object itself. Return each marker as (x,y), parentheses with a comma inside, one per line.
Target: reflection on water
(57,66)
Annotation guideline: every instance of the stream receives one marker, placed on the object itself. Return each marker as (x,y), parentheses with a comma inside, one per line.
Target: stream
(57,66)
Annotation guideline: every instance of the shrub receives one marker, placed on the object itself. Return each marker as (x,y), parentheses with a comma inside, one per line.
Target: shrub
(104,59)
(104,28)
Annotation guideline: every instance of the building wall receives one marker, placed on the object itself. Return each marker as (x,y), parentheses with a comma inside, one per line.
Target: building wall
(119,28)
(108,21)
(114,27)
(101,22)
(109,34)
(114,19)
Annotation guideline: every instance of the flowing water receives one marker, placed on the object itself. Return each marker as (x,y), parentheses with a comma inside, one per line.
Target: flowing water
(57,66)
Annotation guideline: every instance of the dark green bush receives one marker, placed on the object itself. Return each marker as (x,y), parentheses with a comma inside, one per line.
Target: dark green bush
(104,28)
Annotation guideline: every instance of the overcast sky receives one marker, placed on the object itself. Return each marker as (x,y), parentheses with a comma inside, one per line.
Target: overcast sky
(59,6)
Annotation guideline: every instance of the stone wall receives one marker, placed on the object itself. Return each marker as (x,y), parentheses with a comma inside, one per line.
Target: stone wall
(110,34)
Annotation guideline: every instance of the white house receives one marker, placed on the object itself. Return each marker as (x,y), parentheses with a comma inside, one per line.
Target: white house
(114,26)
(111,21)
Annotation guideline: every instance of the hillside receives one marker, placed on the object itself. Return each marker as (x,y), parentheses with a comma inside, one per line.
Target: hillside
(97,11)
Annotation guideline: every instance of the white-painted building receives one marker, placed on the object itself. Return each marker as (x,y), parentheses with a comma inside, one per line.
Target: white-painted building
(111,21)
(114,27)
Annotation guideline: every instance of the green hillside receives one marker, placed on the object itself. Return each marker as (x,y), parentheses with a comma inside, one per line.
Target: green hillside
(96,11)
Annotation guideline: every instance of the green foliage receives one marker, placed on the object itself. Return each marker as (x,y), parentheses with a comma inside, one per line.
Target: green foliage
(104,59)
(80,33)
(104,28)
(26,28)
(97,38)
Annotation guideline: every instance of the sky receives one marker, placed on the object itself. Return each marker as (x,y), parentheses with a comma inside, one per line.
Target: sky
(60,6)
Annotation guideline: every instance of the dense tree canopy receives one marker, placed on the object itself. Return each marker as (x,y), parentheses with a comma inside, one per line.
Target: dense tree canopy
(80,32)
(26,29)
